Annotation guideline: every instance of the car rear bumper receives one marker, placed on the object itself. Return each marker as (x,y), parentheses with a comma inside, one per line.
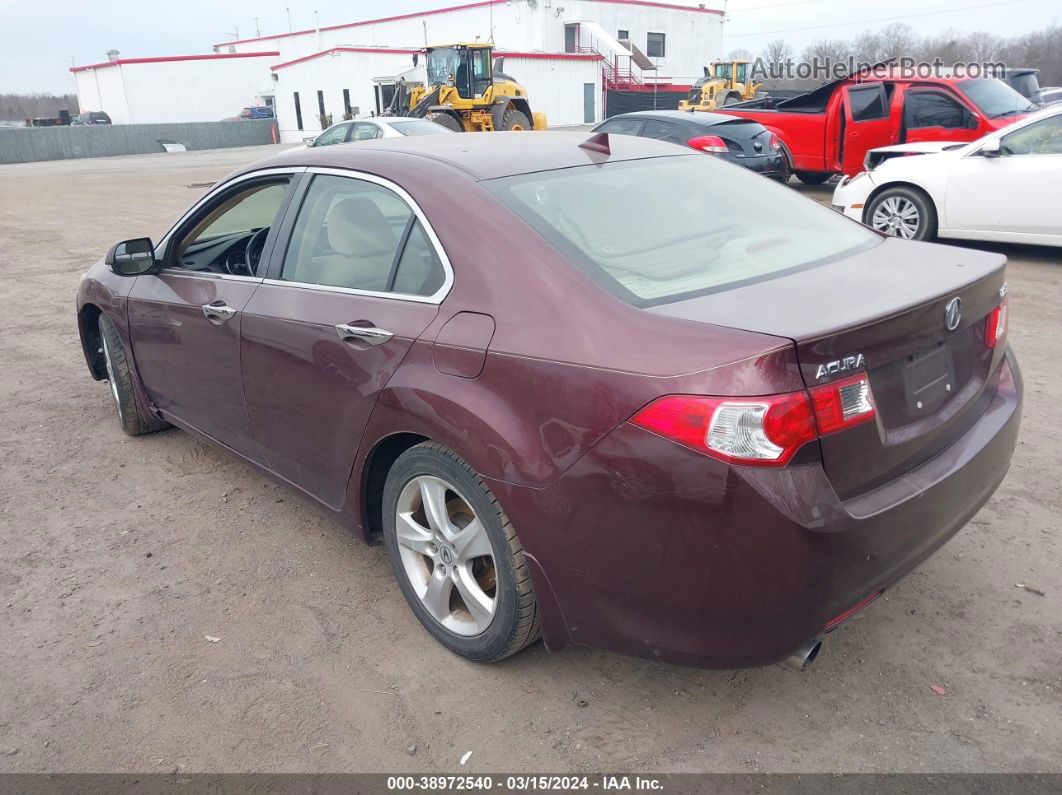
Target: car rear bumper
(772,166)
(648,548)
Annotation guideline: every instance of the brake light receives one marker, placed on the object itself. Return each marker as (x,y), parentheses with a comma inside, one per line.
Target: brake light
(842,404)
(763,431)
(775,143)
(759,431)
(712,144)
(996,324)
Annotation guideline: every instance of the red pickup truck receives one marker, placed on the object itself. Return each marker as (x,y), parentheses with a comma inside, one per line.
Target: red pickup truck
(829,130)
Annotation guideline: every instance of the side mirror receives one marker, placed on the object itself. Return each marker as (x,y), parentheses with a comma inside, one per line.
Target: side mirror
(990,148)
(131,257)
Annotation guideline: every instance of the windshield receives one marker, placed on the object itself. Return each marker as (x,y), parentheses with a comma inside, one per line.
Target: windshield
(994,98)
(664,229)
(419,127)
(442,65)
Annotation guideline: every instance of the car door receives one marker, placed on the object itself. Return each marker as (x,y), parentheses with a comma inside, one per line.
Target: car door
(868,124)
(185,320)
(1024,183)
(357,276)
(664,131)
(935,115)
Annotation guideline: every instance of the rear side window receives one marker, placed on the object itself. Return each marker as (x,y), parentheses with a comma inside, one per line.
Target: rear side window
(933,109)
(659,230)
(358,235)
(867,103)
(661,130)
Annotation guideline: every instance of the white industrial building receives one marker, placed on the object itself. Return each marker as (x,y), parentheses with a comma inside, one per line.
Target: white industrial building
(175,88)
(567,53)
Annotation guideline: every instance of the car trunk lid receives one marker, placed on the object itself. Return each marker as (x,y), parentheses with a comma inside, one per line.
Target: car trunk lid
(881,311)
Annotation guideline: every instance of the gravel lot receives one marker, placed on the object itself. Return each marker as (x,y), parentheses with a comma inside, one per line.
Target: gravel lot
(119,556)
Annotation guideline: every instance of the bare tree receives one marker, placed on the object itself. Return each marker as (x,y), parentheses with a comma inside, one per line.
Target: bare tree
(777,52)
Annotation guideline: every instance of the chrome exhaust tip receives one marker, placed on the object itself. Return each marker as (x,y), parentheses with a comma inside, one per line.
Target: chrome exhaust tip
(805,655)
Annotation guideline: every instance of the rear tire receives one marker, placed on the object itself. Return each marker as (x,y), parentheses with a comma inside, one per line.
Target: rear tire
(451,546)
(732,98)
(813,177)
(446,120)
(131,417)
(513,119)
(906,213)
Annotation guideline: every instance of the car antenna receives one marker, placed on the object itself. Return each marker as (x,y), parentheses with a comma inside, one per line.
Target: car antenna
(597,143)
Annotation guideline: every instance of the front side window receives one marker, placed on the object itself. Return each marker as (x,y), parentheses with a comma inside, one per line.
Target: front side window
(622,126)
(358,235)
(333,135)
(934,109)
(229,226)
(698,225)
(1042,138)
(654,45)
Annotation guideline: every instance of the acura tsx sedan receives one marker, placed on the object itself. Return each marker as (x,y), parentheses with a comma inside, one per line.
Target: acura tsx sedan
(604,390)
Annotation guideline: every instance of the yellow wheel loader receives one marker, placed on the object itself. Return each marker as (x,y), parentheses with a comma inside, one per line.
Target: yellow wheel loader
(467,92)
(725,83)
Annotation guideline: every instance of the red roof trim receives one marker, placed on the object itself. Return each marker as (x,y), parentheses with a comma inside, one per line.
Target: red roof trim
(445,9)
(167,58)
(566,56)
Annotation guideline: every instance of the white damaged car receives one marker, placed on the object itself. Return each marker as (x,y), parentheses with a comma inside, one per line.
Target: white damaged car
(1006,186)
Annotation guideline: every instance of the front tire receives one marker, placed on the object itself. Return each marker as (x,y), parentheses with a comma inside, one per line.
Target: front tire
(456,556)
(446,120)
(513,119)
(902,212)
(132,419)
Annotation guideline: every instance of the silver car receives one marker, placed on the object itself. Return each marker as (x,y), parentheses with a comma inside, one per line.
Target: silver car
(376,127)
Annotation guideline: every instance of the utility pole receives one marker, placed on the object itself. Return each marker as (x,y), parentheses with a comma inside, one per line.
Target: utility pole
(286,8)
(257,28)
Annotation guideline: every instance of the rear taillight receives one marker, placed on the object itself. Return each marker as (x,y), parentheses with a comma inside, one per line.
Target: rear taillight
(996,325)
(842,404)
(760,431)
(775,143)
(712,144)
(764,431)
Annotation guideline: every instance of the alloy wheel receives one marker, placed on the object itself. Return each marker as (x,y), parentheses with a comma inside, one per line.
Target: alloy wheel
(897,216)
(111,377)
(446,555)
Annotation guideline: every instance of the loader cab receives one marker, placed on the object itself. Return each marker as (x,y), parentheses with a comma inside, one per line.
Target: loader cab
(466,67)
(735,70)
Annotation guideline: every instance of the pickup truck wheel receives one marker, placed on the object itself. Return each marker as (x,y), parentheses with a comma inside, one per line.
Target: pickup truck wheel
(812,177)
(902,212)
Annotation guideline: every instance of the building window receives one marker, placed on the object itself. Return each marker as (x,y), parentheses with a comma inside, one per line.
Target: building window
(298,111)
(623,34)
(571,36)
(320,102)
(654,45)
(346,101)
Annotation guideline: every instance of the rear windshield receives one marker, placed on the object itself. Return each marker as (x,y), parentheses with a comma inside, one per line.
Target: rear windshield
(665,229)
(994,97)
(419,127)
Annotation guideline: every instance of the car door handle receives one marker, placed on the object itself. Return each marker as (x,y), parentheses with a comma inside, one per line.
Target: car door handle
(219,311)
(369,334)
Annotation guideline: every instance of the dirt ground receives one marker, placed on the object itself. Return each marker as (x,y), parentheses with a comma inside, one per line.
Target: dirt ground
(119,556)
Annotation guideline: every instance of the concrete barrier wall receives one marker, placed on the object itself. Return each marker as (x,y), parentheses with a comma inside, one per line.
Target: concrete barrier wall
(22,145)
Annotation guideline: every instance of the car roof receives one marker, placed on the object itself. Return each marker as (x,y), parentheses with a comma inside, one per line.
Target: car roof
(696,116)
(480,155)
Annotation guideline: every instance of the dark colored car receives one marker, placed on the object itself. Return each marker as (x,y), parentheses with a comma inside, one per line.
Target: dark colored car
(91,117)
(746,143)
(618,393)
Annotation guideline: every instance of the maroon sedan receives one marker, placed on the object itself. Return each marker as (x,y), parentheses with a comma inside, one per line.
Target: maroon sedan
(611,392)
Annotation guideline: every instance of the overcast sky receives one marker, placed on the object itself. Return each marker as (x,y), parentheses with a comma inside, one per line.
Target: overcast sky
(38,39)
